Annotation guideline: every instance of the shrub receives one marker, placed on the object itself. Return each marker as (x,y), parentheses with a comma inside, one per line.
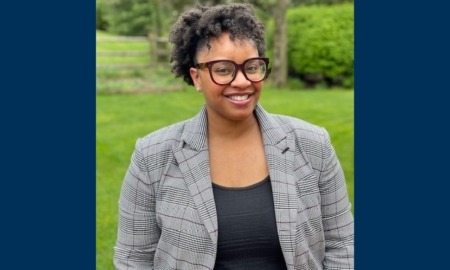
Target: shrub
(320,46)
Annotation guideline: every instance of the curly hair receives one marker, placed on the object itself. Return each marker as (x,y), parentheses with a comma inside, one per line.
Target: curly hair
(196,27)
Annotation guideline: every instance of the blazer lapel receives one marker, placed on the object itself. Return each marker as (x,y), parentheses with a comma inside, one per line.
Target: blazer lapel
(280,158)
(193,159)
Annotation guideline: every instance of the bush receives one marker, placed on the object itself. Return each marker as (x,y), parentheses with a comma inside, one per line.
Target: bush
(320,47)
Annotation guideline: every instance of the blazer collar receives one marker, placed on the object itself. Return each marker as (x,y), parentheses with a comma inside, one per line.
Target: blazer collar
(196,130)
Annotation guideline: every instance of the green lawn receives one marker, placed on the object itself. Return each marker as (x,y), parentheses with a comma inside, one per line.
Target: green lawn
(121,119)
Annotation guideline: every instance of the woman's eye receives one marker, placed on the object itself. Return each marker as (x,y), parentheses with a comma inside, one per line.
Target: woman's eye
(251,69)
(222,70)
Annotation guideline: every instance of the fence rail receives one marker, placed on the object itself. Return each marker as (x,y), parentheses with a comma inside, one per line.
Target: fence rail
(121,39)
(131,66)
(122,53)
(122,66)
(158,51)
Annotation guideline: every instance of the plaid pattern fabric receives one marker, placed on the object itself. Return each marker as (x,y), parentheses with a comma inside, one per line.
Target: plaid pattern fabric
(167,215)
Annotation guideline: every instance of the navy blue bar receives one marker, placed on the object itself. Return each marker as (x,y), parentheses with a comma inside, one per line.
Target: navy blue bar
(48,134)
(401,142)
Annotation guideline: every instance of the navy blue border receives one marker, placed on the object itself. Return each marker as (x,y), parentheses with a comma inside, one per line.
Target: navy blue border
(48,134)
(401,142)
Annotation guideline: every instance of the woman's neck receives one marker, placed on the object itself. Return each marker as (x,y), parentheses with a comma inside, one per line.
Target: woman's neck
(227,129)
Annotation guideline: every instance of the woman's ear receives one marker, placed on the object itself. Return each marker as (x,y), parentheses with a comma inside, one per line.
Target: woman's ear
(196,78)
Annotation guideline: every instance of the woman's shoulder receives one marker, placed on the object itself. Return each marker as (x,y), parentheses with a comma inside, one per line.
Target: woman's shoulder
(298,126)
(164,138)
(288,124)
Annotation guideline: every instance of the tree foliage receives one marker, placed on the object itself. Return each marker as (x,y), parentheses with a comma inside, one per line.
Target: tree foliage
(100,20)
(129,17)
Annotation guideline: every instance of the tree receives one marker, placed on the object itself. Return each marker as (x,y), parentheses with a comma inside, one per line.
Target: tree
(278,10)
(279,66)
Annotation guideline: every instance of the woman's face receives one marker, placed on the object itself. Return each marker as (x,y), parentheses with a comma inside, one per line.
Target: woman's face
(237,100)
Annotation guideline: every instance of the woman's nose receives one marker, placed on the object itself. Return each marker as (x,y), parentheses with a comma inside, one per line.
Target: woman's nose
(240,80)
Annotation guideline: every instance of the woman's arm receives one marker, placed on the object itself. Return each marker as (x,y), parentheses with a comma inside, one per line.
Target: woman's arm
(337,217)
(138,232)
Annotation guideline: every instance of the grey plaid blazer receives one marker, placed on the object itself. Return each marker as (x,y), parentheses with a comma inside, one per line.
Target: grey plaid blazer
(167,215)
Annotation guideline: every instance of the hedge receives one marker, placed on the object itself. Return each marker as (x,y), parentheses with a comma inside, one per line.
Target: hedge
(321,44)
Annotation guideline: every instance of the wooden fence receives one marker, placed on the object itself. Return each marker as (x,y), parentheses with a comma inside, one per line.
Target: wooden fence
(130,68)
(158,51)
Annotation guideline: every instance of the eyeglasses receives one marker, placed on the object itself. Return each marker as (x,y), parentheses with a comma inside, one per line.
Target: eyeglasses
(223,72)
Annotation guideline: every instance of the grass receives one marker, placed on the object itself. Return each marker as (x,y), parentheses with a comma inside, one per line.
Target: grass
(121,119)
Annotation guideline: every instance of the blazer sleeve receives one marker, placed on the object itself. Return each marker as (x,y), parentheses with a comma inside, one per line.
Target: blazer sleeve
(337,217)
(138,232)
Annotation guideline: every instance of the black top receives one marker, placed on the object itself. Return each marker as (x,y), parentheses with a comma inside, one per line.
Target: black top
(248,237)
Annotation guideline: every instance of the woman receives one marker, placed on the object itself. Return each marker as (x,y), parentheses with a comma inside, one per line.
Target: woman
(233,187)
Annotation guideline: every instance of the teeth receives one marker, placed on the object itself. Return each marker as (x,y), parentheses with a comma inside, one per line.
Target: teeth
(239,97)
